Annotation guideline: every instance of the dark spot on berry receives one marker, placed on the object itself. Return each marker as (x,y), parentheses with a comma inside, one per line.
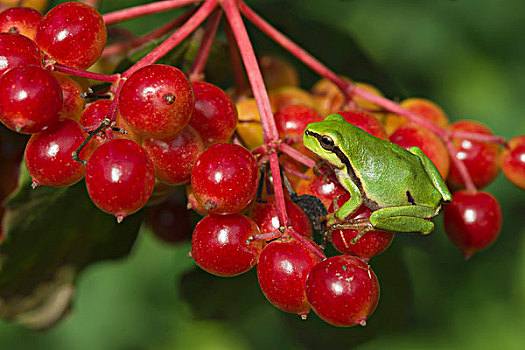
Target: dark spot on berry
(169,98)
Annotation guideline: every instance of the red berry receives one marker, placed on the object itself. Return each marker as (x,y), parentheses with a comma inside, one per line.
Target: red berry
(157,101)
(224,178)
(20,20)
(365,121)
(325,187)
(73,34)
(267,217)
(513,161)
(368,246)
(411,135)
(343,290)
(192,203)
(73,103)
(170,220)
(472,221)
(221,244)
(30,99)
(480,158)
(282,271)
(292,120)
(120,177)
(17,50)
(174,157)
(48,155)
(215,114)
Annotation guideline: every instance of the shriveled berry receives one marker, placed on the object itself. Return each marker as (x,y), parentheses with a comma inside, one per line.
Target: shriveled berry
(224,178)
(170,221)
(343,290)
(221,244)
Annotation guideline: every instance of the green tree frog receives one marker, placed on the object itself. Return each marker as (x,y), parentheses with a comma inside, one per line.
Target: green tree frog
(403,188)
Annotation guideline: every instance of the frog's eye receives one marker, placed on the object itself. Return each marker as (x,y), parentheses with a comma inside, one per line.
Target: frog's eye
(327,142)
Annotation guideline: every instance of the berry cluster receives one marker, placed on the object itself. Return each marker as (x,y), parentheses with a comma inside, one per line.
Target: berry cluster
(156,128)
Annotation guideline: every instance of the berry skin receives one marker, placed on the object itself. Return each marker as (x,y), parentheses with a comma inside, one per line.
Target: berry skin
(278,73)
(513,161)
(169,221)
(174,157)
(324,187)
(20,20)
(342,290)
(282,271)
(73,34)
(120,177)
(480,158)
(221,244)
(266,217)
(157,101)
(249,126)
(73,103)
(292,120)
(30,99)
(371,244)
(48,155)
(366,121)
(224,178)
(289,96)
(215,115)
(17,50)
(411,135)
(472,221)
(425,108)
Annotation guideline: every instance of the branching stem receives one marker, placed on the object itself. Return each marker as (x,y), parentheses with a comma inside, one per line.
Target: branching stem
(144,10)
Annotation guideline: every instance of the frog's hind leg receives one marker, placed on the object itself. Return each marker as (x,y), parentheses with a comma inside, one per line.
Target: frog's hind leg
(433,174)
(408,218)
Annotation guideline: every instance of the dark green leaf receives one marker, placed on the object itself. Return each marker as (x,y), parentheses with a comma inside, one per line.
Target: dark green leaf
(52,235)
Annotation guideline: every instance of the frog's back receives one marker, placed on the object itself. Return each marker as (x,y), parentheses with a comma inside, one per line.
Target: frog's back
(388,174)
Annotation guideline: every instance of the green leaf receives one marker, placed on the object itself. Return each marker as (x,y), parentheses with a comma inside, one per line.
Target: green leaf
(51,236)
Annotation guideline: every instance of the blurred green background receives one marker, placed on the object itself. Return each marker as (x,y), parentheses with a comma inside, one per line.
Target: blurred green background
(466,55)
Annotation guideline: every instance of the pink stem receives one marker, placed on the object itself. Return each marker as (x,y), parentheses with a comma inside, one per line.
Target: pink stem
(295,154)
(296,173)
(271,135)
(477,137)
(239,76)
(197,69)
(144,10)
(463,171)
(57,67)
(175,38)
(290,46)
(154,34)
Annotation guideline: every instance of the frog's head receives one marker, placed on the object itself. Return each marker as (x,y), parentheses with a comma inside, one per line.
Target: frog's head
(324,139)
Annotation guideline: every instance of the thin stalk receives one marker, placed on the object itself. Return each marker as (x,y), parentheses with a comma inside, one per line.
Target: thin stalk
(271,135)
(463,171)
(197,69)
(154,34)
(57,67)
(295,154)
(181,34)
(144,10)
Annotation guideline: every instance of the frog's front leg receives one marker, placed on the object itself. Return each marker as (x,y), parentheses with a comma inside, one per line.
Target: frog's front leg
(407,219)
(350,206)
